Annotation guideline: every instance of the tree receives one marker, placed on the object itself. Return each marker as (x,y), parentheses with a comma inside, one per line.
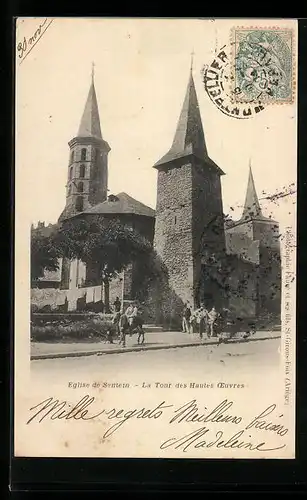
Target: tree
(109,245)
(44,255)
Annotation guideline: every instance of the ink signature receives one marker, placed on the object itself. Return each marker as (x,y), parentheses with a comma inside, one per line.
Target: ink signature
(266,421)
(218,441)
(25,46)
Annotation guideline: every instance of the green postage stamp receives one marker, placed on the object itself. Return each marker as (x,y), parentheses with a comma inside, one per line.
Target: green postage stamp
(263,65)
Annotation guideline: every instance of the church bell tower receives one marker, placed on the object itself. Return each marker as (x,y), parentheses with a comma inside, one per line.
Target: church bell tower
(87,177)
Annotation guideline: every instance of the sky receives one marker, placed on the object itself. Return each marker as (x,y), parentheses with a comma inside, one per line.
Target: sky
(141,73)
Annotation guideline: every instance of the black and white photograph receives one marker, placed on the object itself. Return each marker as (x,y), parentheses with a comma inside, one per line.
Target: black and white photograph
(155,238)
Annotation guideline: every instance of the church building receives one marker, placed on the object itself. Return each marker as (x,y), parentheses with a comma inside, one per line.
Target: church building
(87,195)
(208,258)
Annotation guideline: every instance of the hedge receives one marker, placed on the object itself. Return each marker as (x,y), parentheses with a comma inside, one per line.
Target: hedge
(57,327)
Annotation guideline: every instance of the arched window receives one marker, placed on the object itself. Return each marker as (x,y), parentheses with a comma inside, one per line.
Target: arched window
(80,187)
(79,204)
(72,156)
(69,189)
(70,172)
(82,171)
(83,154)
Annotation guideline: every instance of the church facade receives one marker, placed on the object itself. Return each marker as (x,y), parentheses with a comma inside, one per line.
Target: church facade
(206,258)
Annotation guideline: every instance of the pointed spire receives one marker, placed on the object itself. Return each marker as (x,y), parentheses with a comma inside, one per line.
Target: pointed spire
(90,122)
(251,206)
(192,60)
(189,136)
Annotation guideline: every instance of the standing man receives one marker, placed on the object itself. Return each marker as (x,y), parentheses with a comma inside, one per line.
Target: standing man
(206,321)
(115,326)
(117,304)
(131,313)
(186,318)
(123,328)
(139,320)
(212,317)
(199,315)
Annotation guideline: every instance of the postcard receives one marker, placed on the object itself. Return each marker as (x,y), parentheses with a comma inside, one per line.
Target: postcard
(155,238)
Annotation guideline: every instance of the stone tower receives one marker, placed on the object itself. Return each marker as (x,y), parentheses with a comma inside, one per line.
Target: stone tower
(87,178)
(258,236)
(189,229)
(253,223)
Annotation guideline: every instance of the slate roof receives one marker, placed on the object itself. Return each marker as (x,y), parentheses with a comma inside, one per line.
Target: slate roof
(189,136)
(124,204)
(90,121)
(252,209)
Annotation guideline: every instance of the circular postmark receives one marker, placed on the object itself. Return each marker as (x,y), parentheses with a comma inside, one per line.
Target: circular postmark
(218,82)
(263,64)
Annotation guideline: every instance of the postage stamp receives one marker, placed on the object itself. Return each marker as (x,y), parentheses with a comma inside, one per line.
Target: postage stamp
(218,83)
(263,65)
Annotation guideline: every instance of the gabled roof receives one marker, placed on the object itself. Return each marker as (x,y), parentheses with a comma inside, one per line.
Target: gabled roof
(122,204)
(90,121)
(189,137)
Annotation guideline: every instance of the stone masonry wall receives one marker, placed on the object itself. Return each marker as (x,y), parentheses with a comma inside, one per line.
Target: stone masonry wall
(98,176)
(267,233)
(207,225)
(189,216)
(95,179)
(173,229)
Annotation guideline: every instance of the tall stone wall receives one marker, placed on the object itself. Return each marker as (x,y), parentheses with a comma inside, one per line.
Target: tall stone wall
(207,231)
(267,232)
(243,279)
(189,225)
(173,229)
(270,281)
(208,220)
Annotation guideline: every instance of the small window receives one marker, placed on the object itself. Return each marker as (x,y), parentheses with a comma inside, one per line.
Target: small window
(79,204)
(82,171)
(69,189)
(175,220)
(80,187)
(70,172)
(83,154)
(72,156)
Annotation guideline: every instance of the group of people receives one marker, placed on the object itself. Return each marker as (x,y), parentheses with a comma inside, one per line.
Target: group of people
(125,322)
(202,320)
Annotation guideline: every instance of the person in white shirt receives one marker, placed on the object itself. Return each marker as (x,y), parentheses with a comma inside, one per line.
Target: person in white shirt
(128,314)
(212,317)
(201,319)
(131,313)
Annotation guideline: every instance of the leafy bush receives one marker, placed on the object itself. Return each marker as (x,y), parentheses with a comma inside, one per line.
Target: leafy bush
(71,327)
